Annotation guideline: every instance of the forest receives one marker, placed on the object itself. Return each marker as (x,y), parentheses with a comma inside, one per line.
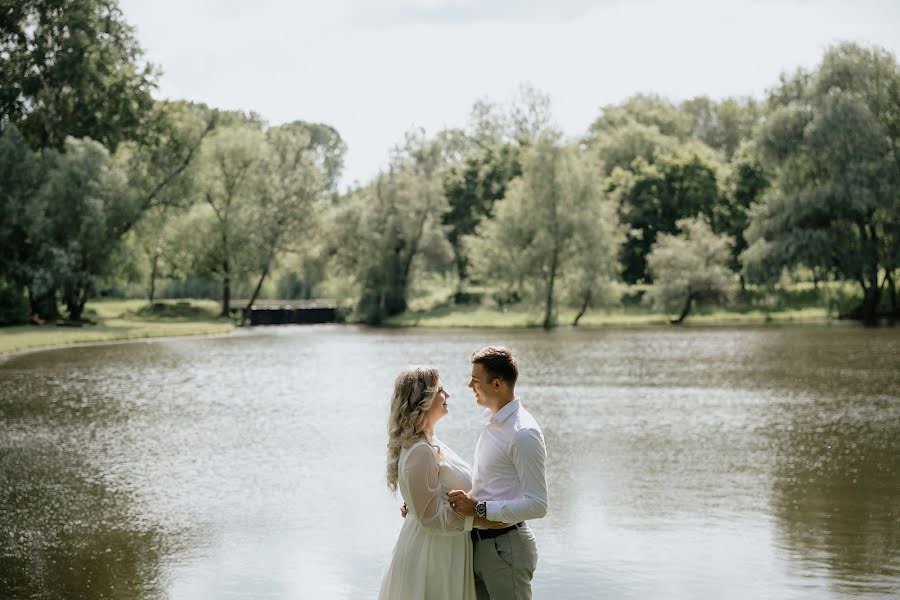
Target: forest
(108,192)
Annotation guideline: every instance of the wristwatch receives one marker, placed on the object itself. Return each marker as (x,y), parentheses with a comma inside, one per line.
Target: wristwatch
(481,509)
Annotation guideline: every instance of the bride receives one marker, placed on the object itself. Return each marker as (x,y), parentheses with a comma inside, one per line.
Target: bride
(433,555)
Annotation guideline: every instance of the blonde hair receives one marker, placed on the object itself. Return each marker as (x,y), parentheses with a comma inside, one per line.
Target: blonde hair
(414,392)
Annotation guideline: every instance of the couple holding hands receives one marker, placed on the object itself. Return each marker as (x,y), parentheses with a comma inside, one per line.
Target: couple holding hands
(465,535)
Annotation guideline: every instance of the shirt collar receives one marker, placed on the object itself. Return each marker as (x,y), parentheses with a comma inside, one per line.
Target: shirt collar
(506,411)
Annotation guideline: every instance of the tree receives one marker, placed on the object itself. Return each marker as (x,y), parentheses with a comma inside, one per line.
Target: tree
(84,206)
(231,183)
(831,146)
(689,267)
(302,164)
(471,192)
(551,216)
(649,110)
(162,178)
(383,230)
(594,264)
(744,185)
(723,126)
(21,172)
(73,68)
(656,196)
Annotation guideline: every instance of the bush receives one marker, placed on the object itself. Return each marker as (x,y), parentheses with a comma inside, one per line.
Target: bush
(178,310)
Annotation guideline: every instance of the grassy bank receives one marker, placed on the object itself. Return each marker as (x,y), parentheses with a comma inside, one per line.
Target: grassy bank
(431,305)
(121,320)
(133,319)
(468,316)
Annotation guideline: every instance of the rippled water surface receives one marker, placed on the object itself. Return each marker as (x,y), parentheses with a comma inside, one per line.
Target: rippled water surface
(683,463)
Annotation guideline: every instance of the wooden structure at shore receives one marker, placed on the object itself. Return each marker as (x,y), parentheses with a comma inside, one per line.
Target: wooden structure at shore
(288,312)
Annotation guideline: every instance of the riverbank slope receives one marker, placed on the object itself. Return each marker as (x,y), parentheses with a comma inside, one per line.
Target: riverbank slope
(121,320)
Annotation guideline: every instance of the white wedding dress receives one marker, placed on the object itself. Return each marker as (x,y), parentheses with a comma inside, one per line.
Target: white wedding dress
(433,556)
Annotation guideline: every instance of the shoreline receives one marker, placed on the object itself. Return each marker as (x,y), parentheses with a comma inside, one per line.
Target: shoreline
(494,320)
(8,354)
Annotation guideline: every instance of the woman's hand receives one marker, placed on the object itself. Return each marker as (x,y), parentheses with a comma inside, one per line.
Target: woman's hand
(462,503)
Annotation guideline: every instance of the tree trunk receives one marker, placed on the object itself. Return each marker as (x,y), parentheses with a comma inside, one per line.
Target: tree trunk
(684,311)
(226,289)
(548,305)
(461,265)
(75,302)
(870,304)
(255,294)
(154,268)
(584,307)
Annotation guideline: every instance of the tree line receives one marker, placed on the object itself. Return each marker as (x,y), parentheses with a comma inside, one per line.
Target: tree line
(101,186)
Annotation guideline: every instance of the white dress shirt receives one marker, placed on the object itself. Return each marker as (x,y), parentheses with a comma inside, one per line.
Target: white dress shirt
(509,466)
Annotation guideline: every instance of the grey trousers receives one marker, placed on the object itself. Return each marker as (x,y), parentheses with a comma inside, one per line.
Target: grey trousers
(504,565)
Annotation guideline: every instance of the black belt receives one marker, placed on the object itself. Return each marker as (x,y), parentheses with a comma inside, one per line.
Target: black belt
(487,534)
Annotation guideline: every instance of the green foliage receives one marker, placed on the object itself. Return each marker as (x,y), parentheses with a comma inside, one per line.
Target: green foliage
(745,184)
(554,226)
(21,173)
(689,267)
(230,183)
(73,68)
(723,126)
(13,304)
(648,110)
(831,145)
(384,231)
(174,310)
(472,189)
(84,209)
(656,196)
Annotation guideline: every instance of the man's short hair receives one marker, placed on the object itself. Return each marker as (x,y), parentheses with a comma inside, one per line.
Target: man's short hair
(498,362)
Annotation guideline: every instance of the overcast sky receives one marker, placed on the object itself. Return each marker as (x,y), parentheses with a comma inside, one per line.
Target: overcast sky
(373,69)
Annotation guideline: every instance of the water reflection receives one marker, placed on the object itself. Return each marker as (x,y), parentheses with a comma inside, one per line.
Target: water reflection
(67,535)
(837,495)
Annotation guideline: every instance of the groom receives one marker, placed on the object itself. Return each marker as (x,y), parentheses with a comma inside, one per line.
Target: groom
(508,484)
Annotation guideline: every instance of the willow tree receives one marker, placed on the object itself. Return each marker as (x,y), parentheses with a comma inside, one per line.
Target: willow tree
(831,144)
(84,207)
(689,267)
(383,231)
(555,222)
(300,167)
(230,182)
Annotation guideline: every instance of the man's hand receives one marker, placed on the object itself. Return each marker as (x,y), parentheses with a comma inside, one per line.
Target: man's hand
(404,511)
(462,503)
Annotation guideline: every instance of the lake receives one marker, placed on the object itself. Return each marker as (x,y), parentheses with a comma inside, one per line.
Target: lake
(683,463)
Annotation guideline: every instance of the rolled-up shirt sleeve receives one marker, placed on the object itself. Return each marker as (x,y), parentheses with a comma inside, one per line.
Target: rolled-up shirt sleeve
(428,500)
(528,455)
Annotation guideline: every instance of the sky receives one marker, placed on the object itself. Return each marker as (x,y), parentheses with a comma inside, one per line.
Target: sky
(374,69)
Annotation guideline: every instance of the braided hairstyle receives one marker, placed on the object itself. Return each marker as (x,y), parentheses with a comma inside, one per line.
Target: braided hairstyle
(414,392)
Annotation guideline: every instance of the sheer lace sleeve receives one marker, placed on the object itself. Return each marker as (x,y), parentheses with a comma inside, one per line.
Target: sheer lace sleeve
(428,500)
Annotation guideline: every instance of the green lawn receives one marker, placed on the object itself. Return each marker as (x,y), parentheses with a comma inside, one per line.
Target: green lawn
(121,320)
